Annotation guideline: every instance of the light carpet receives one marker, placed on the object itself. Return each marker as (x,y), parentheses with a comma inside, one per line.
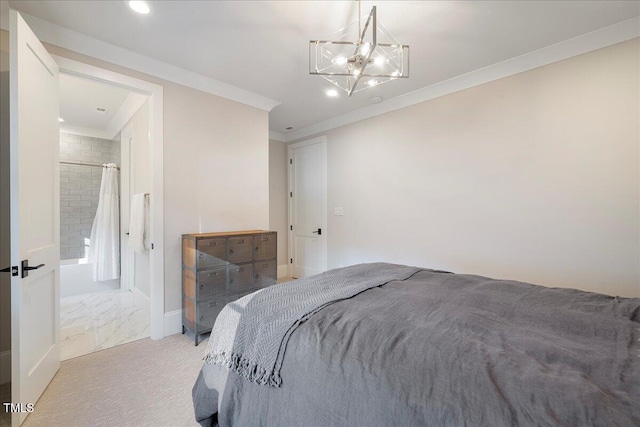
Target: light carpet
(142,383)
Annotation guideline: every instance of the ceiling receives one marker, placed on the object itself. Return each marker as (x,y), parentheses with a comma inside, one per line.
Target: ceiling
(81,102)
(81,98)
(262,46)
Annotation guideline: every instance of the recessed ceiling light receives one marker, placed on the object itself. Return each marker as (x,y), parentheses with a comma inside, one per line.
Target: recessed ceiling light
(140,6)
(60,119)
(332,93)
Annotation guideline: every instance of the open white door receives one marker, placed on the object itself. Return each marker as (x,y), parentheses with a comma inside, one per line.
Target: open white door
(35,223)
(308,207)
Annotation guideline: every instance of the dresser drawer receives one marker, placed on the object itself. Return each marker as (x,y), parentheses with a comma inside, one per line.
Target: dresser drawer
(265,246)
(265,272)
(240,249)
(240,277)
(212,282)
(208,312)
(211,253)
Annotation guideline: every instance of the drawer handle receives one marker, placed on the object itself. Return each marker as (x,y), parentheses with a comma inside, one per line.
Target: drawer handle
(230,251)
(201,256)
(264,239)
(201,286)
(209,275)
(211,304)
(230,281)
(256,249)
(239,242)
(212,244)
(257,275)
(241,269)
(201,317)
(265,265)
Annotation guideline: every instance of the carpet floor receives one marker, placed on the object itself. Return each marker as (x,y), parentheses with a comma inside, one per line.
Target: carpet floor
(142,383)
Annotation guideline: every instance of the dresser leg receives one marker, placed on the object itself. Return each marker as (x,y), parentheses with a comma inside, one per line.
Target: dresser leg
(197,339)
(183,330)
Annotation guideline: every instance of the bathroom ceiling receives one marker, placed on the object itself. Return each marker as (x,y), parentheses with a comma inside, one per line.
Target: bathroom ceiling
(95,109)
(262,46)
(81,99)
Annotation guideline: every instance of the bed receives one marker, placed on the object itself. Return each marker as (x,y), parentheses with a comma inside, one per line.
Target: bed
(427,348)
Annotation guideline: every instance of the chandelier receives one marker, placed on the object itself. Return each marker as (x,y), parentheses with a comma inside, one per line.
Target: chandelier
(361,56)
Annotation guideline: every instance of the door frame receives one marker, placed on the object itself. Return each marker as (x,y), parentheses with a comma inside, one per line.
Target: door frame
(156,220)
(322,140)
(127,277)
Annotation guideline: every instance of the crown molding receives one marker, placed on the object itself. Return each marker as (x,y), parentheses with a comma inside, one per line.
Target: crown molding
(60,36)
(88,132)
(607,36)
(277,136)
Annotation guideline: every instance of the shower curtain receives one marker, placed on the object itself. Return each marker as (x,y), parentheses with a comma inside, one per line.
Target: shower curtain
(104,246)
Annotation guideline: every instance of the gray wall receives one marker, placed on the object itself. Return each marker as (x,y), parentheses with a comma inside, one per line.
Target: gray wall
(80,189)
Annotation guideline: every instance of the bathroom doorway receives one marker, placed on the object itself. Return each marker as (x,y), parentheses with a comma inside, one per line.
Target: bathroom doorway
(104,174)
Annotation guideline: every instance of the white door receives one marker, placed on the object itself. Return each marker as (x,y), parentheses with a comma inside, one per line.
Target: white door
(35,218)
(307,207)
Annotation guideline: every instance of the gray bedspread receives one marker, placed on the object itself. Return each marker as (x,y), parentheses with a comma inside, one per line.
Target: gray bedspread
(250,335)
(447,350)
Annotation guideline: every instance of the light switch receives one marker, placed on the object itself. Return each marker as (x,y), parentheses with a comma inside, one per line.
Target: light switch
(338,211)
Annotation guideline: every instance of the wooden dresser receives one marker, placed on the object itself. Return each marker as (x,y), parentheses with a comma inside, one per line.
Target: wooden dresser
(218,268)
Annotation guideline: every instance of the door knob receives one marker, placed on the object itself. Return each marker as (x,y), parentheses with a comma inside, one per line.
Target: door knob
(319,232)
(26,268)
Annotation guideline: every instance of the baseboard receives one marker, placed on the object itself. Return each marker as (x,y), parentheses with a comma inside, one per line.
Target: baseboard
(173,323)
(283,271)
(5,366)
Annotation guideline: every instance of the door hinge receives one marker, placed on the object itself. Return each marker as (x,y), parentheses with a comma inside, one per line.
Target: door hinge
(291,227)
(290,193)
(290,161)
(152,246)
(291,262)
(13,270)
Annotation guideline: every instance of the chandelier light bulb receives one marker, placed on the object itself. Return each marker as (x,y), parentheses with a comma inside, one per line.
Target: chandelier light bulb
(340,60)
(379,60)
(372,82)
(140,7)
(364,49)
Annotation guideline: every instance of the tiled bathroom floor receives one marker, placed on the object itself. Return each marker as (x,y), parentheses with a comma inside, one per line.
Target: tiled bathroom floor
(100,320)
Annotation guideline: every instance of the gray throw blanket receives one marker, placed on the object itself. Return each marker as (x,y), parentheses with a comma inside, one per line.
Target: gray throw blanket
(250,335)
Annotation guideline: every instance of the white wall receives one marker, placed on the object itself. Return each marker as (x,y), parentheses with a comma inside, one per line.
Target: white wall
(534,177)
(216,172)
(141,177)
(216,167)
(278,197)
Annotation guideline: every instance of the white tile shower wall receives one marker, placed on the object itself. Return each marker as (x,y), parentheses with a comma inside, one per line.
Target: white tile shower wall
(80,188)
